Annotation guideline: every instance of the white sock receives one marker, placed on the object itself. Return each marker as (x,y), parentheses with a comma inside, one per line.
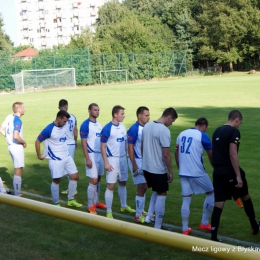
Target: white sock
(159,211)
(144,202)
(122,195)
(207,208)
(185,212)
(17,183)
(109,194)
(55,192)
(72,189)
(139,202)
(91,190)
(152,204)
(96,199)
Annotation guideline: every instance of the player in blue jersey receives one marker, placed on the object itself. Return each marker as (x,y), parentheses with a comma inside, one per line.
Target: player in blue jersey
(156,141)
(190,146)
(229,179)
(12,129)
(135,160)
(113,150)
(71,132)
(60,161)
(90,131)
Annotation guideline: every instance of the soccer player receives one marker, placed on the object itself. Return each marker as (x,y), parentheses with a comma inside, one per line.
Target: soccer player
(156,141)
(90,131)
(113,150)
(228,178)
(135,160)
(190,146)
(60,161)
(71,132)
(12,129)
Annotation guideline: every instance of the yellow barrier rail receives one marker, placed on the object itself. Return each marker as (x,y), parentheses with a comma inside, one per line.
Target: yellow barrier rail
(188,243)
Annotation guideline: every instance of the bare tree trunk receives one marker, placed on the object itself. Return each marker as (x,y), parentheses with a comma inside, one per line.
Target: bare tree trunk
(231,66)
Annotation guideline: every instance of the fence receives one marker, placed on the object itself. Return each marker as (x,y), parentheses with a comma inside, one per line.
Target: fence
(87,67)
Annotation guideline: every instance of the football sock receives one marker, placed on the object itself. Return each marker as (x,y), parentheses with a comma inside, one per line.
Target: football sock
(250,212)
(55,192)
(139,202)
(185,212)
(91,190)
(207,208)
(109,199)
(72,189)
(159,211)
(17,183)
(96,199)
(122,195)
(152,204)
(215,218)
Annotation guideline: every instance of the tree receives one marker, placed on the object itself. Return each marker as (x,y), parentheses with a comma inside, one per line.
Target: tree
(5,42)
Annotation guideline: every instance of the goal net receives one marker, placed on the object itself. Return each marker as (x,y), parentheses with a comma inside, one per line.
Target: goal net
(110,76)
(44,79)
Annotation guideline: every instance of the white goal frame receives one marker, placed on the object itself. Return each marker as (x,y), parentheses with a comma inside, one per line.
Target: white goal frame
(19,77)
(106,71)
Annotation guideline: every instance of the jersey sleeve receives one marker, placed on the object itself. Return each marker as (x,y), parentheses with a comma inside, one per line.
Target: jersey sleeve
(46,133)
(132,134)
(105,133)
(165,138)
(206,142)
(235,136)
(84,130)
(17,124)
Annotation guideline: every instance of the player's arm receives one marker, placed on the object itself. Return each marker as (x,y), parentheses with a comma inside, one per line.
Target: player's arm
(132,156)
(209,153)
(235,163)
(38,149)
(18,138)
(2,130)
(75,133)
(108,167)
(176,155)
(85,152)
(168,161)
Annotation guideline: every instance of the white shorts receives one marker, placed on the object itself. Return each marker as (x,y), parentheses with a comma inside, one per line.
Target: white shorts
(71,149)
(63,167)
(97,166)
(139,179)
(198,185)
(17,154)
(120,171)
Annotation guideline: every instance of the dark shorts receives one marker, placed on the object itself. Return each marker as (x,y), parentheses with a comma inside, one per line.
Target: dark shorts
(224,186)
(158,182)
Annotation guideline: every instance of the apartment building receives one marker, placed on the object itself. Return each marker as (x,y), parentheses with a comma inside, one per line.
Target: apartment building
(47,23)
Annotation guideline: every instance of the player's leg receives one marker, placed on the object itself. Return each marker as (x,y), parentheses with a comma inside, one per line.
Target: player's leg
(122,178)
(17,155)
(186,200)
(55,190)
(100,170)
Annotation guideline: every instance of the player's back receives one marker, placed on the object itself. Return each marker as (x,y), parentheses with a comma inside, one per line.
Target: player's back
(70,126)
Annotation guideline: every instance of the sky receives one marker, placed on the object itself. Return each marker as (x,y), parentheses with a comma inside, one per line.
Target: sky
(8,15)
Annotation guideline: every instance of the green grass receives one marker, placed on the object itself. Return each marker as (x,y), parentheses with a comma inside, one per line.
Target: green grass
(212,97)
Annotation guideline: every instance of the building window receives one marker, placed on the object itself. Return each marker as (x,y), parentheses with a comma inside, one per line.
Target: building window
(55,20)
(31,39)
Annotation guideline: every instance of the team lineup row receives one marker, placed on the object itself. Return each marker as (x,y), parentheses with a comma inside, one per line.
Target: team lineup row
(147,147)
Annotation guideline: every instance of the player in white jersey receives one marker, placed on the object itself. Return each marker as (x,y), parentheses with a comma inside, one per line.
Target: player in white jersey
(60,161)
(134,137)
(190,146)
(90,132)
(71,132)
(156,141)
(12,129)
(113,150)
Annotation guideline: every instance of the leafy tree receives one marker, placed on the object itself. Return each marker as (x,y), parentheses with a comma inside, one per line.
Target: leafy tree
(5,42)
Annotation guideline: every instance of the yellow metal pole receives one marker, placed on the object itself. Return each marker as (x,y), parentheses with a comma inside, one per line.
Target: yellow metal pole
(188,243)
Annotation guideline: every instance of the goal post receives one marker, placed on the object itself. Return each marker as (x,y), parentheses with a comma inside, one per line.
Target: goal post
(108,76)
(44,79)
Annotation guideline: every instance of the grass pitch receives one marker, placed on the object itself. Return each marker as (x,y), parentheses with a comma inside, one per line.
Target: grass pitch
(27,235)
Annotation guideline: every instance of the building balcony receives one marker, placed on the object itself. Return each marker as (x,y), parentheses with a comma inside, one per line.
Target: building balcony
(93,13)
(58,6)
(75,14)
(43,34)
(41,6)
(25,17)
(58,15)
(23,7)
(23,1)
(59,24)
(77,32)
(25,35)
(42,25)
(92,4)
(60,33)
(25,26)
(41,16)
(75,22)
(75,5)
(44,43)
